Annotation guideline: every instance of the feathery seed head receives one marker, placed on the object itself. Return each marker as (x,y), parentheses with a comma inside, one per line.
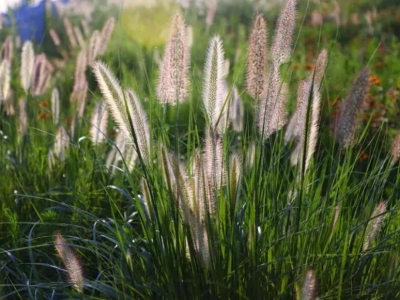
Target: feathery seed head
(256,58)
(140,124)
(374,224)
(5,66)
(395,151)
(281,47)
(71,262)
(41,75)
(173,82)
(27,64)
(79,37)
(320,68)
(70,32)
(346,124)
(54,36)
(7,49)
(272,105)
(93,47)
(146,198)
(126,110)
(213,87)
(309,290)
(80,76)
(106,35)
(61,143)
(55,106)
(236,111)
(23,117)
(98,126)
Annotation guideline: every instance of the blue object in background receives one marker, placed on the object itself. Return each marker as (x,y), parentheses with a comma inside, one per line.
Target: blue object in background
(30,21)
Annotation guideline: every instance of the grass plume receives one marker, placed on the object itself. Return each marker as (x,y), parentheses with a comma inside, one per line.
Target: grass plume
(345,127)
(71,262)
(173,81)
(257,58)
(27,65)
(213,86)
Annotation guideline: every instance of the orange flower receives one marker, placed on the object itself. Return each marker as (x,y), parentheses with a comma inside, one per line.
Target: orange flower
(363,156)
(43,116)
(374,80)
(310,66)
(43,104)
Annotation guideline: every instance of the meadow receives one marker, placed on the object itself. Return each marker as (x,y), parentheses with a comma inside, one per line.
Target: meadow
(221,152)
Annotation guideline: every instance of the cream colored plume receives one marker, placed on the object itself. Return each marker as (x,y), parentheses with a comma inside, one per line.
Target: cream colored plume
(27,64)
(55,105)
(4,80)
(61,143)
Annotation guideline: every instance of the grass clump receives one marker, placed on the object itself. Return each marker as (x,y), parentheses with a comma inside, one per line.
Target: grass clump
(199,185)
